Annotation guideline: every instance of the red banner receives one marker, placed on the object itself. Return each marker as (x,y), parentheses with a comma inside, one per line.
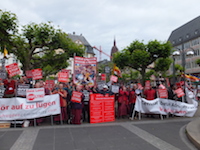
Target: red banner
(36,74)
(113,78)
(76,97)
(101,108)
(63,77)
(13,69)
(163,93)
(140,86)
(85,71)
(103,76)
(49,84)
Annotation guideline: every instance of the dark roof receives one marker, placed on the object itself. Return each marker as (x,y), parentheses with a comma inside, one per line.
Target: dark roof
(81,38)
(186,32)
(114,49)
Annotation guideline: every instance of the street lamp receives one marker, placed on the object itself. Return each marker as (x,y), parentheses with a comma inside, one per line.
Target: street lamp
(183,54)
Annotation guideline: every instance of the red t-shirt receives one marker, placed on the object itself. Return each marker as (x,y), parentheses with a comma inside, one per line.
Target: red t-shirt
(132,97)
(150,94)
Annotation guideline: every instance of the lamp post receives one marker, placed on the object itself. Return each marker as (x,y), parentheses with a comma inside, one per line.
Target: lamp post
(182,53)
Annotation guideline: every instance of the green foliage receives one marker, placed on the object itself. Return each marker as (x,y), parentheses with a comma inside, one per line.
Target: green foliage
(162,64)
(35,48)
(198,62)
(139,56)
(8,27)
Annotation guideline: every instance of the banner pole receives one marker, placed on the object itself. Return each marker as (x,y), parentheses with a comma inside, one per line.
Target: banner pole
(51,120)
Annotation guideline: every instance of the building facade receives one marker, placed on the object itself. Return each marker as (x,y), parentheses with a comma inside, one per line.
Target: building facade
(187,38)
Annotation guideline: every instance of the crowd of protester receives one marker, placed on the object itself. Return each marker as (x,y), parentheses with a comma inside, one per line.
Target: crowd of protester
(76,113)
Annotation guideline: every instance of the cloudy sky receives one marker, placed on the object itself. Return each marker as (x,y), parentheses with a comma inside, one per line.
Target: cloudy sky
(102,20)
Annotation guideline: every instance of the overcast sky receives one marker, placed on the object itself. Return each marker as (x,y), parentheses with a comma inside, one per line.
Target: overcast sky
(102,20)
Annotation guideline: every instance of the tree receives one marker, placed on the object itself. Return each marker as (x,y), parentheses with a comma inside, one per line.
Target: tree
(35,48)
(198,62)
(162,65)
(139,56)
(8,27)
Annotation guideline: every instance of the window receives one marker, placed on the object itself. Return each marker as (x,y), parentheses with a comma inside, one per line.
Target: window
(186,45)
(195,42)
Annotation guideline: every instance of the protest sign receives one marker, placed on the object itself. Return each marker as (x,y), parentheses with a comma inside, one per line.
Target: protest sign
(76,97)
(103,76)
(36,74)
(163,93)
(113,78)
(179,92)
(85,71)
(49,84)
(17,108)
(29,73)
(115,88)
(35,94)
(13,69)
(21,89)
(63,77)
(101,108)
(147,84)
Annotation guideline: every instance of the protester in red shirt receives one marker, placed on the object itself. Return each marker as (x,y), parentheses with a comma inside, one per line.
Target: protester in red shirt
(63,103)
(123,102)
(150,93)
(132,99)
(10,86)
(76,108)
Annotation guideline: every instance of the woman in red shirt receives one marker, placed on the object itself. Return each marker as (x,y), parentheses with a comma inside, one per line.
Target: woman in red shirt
(132,100)
(123,102)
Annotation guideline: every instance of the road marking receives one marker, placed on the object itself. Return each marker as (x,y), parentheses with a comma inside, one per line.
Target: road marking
(153,140)
(26,140)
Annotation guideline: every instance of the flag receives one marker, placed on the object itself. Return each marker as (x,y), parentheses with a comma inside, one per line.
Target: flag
(192,78)
(5,52)
(117,71)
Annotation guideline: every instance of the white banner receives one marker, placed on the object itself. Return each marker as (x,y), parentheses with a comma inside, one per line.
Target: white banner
(165,106)
(17,108)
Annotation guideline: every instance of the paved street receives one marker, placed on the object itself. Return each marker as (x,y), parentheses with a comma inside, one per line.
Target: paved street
(168,134)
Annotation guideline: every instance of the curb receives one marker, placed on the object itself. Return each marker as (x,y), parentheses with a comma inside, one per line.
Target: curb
(193,132)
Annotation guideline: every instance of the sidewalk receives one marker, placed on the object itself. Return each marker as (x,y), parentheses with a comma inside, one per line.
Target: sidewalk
(193,129)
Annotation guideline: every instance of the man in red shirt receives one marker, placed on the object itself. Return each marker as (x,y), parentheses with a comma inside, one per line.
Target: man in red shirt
(150,94)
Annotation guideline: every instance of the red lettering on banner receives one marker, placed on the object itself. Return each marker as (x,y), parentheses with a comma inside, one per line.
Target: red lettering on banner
(15,107)
(45,105)
(101,108)
(29,106)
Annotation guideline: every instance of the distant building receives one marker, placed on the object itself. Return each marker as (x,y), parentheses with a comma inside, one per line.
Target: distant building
(113,50)
(81,40)
(186,38)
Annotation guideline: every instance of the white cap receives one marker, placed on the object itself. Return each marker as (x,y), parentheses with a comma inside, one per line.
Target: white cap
(105,86)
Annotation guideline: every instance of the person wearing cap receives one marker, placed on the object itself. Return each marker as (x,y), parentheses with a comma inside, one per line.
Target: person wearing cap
(105,91)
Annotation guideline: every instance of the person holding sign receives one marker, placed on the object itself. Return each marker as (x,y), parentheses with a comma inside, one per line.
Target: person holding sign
(77,105)
(63,103)
(9,84)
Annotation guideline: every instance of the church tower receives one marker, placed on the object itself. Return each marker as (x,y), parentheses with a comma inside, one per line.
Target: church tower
(114,49)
